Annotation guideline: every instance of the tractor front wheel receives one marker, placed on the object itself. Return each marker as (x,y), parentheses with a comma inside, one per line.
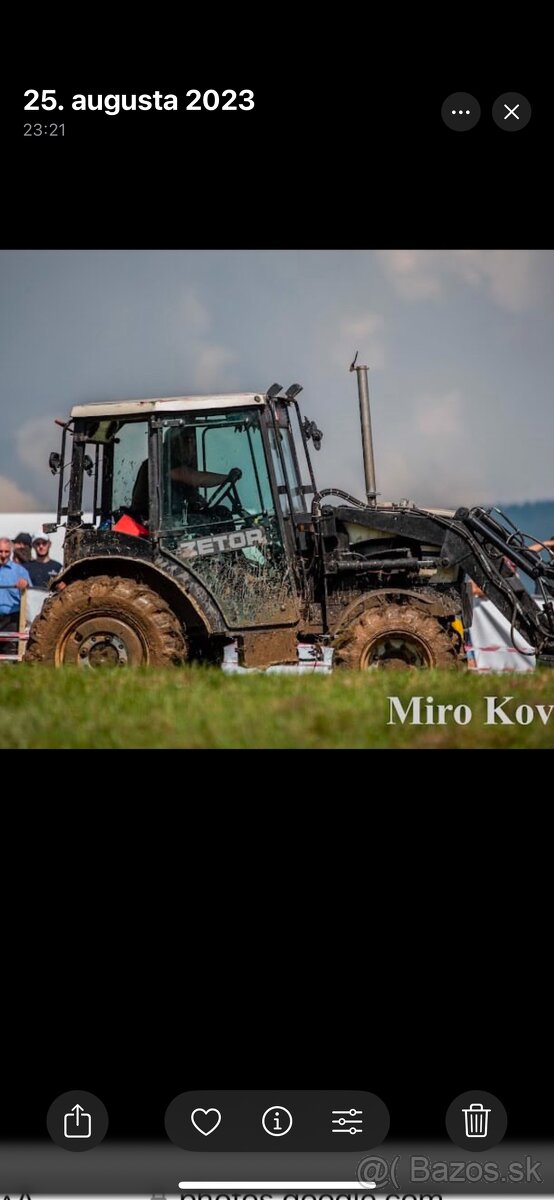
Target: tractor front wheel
(396,636)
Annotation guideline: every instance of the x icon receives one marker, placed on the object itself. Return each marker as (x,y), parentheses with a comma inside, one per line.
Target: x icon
(511,112)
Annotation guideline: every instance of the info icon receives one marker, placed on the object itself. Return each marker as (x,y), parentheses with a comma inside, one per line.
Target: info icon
(277,1121)
(476,1121)
(460,111)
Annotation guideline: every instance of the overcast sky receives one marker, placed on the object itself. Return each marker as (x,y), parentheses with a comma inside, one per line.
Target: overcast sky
(460,345)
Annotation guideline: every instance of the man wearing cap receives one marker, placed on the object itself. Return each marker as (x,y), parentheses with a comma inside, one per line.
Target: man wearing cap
(42,568)
(13,580)
(22,549)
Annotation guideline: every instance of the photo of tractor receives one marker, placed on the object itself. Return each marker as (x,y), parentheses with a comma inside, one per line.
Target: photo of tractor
(209,540)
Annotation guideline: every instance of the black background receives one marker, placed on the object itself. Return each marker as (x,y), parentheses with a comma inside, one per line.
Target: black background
(173,935)
(180,929)
(347,153)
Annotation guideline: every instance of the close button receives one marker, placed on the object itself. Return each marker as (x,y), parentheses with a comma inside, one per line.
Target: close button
(511,111)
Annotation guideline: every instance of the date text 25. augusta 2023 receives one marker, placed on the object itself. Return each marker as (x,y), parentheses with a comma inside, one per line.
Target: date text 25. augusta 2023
(228,100)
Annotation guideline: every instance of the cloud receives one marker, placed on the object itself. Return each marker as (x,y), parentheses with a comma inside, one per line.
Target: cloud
(511,278)
(33,442)
(508,275)
(364,332)
(437,462)
(432,477)
(415,274)
(186,316)
(14,499)
(440,416)
(188,324)
(211,368)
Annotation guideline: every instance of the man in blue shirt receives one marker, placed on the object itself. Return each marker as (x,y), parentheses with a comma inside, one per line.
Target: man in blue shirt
(13,580)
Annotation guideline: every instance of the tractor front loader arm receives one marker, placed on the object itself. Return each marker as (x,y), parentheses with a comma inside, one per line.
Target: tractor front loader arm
(491,555)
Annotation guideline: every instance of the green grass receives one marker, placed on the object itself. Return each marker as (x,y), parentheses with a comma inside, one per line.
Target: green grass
(200,708)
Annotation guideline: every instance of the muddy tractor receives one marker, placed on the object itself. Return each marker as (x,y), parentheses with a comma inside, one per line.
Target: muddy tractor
(195,530)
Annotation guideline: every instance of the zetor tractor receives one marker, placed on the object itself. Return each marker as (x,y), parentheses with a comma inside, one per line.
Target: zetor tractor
(206,538)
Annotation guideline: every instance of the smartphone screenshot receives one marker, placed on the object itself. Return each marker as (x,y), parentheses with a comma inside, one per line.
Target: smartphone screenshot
(275,474)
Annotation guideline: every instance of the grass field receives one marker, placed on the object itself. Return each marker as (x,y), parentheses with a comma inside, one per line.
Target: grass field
(201,708)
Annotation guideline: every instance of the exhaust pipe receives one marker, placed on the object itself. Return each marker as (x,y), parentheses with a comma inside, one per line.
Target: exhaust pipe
(367,439)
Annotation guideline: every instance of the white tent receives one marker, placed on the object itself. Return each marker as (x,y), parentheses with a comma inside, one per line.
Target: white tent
(493,646)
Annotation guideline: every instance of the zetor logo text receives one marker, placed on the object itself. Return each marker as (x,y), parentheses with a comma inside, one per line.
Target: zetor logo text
(222,543)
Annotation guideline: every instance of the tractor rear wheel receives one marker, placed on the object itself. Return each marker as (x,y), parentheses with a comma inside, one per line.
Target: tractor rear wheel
(106,621)
(396,636)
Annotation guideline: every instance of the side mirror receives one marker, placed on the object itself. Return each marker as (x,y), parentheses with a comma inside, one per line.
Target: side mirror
(54,462)
(311,431)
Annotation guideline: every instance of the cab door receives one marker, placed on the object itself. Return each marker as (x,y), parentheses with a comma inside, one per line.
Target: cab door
(230,535)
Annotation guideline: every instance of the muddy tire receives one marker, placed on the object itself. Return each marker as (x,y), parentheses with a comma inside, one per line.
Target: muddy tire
(106,621)
(396,636)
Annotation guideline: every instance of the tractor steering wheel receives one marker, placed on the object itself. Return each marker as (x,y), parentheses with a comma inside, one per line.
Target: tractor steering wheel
(226,489)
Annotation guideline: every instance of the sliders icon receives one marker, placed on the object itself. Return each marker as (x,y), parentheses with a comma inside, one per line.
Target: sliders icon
(341,1118)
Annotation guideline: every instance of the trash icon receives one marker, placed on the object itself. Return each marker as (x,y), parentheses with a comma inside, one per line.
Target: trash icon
(477,1120)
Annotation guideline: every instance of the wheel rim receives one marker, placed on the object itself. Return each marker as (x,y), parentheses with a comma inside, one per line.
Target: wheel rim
(396,649)
(102,641)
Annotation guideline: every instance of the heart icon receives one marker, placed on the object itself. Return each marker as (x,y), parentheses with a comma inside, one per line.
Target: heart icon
(205,1120)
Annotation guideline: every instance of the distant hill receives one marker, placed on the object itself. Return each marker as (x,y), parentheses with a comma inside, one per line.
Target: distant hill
(535,517)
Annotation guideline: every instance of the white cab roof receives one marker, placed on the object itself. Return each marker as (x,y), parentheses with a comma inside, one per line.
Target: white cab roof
(124,408)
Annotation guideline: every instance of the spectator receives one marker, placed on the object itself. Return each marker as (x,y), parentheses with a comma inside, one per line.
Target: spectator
(14,578)
(22,549)
(22,555)
(509,571)
(43,568)
(547,545)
